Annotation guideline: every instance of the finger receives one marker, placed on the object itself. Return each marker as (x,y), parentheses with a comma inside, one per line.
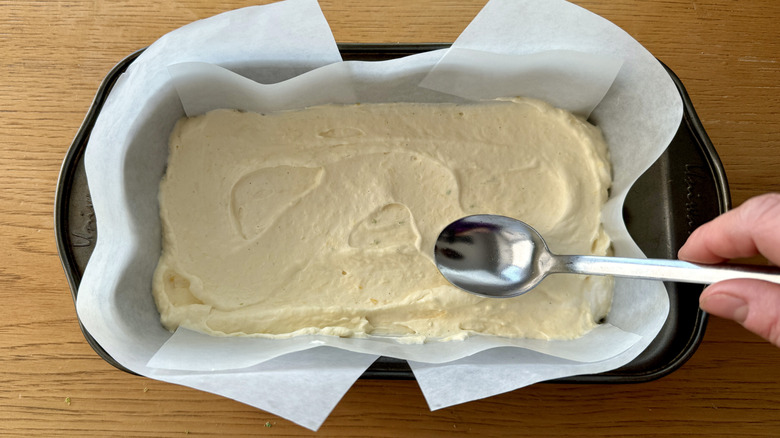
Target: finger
(753,303)
(746,231)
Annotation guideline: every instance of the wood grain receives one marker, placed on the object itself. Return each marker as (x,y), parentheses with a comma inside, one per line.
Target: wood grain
(54,54)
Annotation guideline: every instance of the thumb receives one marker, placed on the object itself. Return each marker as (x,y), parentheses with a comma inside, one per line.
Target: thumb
(753,303)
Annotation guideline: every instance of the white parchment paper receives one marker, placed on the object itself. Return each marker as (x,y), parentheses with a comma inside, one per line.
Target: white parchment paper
(304,378)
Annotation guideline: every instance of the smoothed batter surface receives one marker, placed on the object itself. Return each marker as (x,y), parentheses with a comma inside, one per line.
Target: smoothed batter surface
(324,220)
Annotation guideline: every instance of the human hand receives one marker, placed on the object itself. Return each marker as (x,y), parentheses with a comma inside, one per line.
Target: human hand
(751,229)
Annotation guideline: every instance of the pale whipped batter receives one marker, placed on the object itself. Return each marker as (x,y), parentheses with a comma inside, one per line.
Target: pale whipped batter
(323,220)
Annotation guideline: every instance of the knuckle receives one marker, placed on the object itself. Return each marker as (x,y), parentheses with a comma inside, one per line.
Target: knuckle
(761,211)
(768,329)
(763,317)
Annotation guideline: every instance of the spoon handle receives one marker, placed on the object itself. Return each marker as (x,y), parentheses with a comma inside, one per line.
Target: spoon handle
(666,270)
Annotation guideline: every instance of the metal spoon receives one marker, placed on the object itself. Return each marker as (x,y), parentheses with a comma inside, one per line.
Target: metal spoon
(496,256)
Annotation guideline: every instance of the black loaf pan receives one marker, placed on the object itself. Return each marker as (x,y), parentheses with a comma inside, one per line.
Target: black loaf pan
(685,188)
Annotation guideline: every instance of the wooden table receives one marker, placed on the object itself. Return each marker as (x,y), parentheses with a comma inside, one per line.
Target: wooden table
(54,54)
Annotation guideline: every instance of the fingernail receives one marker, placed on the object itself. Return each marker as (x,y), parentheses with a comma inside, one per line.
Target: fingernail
(726,306)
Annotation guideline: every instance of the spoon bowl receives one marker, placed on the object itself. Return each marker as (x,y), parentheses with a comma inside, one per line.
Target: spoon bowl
(492,255)
(497,256)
